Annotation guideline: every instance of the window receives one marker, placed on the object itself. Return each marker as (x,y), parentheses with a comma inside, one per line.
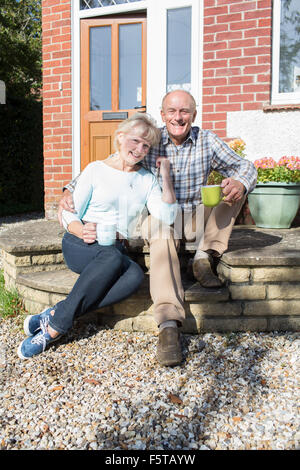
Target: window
(179,25)
(174,60)
(87,4)
(286,52)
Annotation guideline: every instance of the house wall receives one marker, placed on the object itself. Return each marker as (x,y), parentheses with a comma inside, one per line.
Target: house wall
(236,84)
(237,60)
(57,100)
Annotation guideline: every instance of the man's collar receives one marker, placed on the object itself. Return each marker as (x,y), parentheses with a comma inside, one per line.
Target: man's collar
(192,135)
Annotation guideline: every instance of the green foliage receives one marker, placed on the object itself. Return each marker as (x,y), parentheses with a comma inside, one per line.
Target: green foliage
(279,174)
(21,131)
(10,303)
(21,47)
(21,147)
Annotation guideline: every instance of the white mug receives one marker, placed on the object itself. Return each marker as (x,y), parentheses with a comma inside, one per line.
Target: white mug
(106,234)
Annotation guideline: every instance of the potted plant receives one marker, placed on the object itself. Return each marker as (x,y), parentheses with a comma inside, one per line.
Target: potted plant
(276,198)
(238,146)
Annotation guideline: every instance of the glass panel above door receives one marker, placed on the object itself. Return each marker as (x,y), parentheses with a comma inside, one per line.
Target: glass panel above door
(86,4)
(130,65)
(179,41)
(100,68)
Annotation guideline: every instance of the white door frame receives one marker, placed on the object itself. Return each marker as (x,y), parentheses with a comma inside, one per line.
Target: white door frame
(156,57)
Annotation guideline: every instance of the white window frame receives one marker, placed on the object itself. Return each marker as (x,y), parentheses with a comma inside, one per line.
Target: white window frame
(156,57)
(277,97)
(157,53)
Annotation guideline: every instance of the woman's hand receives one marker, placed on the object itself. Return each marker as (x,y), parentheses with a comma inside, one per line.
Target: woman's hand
(164,166)
(168,193)
(87,232)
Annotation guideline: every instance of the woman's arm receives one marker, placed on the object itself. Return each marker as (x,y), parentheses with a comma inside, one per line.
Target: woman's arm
(168,193)
(87,232)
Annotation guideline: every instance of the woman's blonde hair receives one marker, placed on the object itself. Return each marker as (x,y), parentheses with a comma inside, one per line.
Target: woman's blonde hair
(143,124)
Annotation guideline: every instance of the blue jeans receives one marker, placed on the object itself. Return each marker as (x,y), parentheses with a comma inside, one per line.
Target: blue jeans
(107,276)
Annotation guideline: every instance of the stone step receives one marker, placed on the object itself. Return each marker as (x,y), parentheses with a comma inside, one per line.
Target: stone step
(261,271)
(43,289)
(61,282)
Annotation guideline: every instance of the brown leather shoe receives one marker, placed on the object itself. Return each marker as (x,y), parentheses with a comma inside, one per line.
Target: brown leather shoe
(169,347)
(203,273)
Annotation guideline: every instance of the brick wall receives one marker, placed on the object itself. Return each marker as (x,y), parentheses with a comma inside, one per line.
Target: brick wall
(57,112)
(237,59)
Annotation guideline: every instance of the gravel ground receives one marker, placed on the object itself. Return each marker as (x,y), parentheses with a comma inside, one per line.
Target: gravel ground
(102,389)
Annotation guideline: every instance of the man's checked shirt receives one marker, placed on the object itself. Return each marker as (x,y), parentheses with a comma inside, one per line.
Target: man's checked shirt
(193,161)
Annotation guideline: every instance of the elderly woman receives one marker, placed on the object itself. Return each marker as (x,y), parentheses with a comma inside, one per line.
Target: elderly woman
(109,197)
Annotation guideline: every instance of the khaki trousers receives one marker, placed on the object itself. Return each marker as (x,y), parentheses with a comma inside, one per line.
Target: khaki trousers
(211,227)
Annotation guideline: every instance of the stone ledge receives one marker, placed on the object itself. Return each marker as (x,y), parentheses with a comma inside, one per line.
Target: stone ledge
(248,245)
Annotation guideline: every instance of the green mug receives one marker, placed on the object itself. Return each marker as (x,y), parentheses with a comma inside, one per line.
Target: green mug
(211,195)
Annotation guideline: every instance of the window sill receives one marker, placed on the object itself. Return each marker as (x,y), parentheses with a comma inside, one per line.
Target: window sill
(280,107)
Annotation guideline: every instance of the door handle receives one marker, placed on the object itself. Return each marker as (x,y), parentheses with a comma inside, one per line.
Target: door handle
(140,107)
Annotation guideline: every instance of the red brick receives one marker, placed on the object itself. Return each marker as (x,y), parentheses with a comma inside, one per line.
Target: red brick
(228,90)
(255,69)
(256,88)
(229,18)
(214,81)
(212,98)
(228,53)
(241,79)
(257,14)
(248,51)
(227,107)
(242,61)
(215,11)
(241,97)
(215,116)
(229,35)
(228,71)
(216,28)
(240,25)
(214,45)
(257,32)
(251,106)
(215,64)
(243,6)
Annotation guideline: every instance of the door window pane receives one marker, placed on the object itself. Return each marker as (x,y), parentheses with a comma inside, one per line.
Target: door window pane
(100,67)
(289,76)
(130,66)
(179,48)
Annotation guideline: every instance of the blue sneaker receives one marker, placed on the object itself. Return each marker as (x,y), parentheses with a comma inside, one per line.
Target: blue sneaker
(34,345)
(32,323)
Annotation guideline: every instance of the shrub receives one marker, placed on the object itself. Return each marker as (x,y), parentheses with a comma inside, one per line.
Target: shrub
(21,144)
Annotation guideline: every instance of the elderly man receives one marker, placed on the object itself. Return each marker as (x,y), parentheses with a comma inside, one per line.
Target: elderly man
(193,153)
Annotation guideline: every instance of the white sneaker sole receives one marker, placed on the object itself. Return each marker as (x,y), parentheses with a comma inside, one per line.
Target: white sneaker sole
(25,325)
(19,352)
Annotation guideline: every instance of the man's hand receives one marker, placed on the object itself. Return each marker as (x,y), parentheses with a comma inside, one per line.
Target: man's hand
(66,203)
(233,190)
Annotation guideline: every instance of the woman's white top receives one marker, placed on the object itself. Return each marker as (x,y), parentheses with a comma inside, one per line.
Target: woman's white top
(109,196)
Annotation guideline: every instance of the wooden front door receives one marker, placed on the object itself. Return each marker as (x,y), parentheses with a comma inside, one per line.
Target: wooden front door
(113,79)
